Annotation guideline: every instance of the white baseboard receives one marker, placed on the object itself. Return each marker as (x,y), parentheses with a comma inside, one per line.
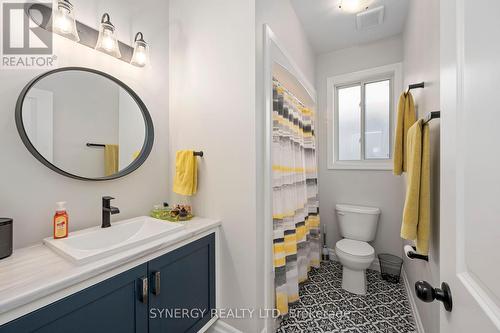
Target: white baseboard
(221,327)
(413,304)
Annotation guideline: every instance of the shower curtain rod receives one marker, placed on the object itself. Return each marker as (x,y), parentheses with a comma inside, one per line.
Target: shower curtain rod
(279,84)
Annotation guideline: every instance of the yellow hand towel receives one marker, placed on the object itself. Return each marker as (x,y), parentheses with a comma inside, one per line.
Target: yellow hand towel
(110,159)
(185,182)
(136,154)
(416,214)
(405,119)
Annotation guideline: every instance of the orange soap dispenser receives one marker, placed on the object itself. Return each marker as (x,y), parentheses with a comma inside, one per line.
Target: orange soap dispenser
(61,221)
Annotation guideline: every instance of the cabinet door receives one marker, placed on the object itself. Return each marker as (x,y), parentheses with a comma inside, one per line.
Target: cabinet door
(114,305)
(183,288)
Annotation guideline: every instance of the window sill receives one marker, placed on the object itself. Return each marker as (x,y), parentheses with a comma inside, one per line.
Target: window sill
(362,166)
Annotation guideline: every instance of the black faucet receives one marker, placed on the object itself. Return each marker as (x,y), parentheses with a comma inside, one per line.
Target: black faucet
(107,211)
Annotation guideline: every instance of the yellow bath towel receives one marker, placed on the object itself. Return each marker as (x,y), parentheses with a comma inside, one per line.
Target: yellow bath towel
(185,181)
(416,214)
(110,159)
(405,119)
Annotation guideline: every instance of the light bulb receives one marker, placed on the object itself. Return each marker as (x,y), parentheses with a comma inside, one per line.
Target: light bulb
(353,6)
(64,21)
(64,24)
(107,42)
(141,51)
(141,58)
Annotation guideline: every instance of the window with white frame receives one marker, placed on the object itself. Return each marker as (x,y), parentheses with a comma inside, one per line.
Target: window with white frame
(361,109)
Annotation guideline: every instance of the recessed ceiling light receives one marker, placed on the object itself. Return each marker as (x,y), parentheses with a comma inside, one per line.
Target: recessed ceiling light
(354,6)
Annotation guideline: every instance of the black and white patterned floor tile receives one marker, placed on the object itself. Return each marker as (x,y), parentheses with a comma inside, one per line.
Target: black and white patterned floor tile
(325,307)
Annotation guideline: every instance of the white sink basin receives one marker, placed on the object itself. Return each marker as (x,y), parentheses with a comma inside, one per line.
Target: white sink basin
(96,243)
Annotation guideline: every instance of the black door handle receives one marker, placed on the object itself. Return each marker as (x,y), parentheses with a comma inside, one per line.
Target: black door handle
(427,293)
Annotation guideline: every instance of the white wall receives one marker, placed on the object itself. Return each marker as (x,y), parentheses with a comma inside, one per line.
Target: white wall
(281,17)
(422,63)
(30,190)
(370,188)
(283,21)
(212,108)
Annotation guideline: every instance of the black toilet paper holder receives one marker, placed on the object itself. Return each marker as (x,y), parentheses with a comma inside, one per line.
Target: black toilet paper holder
(415,255)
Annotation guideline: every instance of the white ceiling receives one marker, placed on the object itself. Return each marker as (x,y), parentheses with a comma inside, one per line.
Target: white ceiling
(329,28)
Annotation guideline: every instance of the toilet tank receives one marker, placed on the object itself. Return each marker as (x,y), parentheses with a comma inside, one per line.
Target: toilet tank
(357,222)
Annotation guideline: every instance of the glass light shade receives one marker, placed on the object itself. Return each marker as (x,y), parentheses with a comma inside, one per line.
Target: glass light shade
(64,22)
(354,6)
(141,51)
(107,41)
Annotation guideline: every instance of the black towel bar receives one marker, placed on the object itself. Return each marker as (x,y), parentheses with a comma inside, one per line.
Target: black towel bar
(415,86)
(198,153)
(100,145)
(432,115)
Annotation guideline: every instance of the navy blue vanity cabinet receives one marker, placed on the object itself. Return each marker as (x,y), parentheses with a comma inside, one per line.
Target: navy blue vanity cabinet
(114,305)
(174,293)
(183,288)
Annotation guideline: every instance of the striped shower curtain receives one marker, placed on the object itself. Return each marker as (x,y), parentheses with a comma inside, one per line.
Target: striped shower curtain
(296,222)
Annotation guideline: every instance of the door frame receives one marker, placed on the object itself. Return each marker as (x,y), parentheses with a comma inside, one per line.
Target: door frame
(271,40)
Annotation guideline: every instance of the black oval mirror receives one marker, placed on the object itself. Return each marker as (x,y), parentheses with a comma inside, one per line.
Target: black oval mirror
(84,124)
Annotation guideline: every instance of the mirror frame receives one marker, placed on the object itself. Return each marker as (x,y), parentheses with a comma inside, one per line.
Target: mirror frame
(149,130)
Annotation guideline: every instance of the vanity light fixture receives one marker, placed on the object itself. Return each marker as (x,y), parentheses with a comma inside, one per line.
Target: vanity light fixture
(64,20)
(107,41)
(141,51)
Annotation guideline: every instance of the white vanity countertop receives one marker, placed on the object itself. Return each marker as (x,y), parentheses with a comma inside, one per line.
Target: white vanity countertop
(34,272)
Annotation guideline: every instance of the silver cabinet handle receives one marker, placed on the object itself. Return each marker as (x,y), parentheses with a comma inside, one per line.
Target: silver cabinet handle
(157,279)
(144,290)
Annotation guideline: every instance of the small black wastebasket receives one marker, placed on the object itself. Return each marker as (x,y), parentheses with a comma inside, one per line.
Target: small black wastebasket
(390,267)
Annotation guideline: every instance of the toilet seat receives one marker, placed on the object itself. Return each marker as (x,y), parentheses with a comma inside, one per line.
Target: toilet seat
(355,248)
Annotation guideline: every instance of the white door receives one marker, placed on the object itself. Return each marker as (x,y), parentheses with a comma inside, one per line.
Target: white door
(470,164)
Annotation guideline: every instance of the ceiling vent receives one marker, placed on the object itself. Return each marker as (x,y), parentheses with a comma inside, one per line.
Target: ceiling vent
(370,18)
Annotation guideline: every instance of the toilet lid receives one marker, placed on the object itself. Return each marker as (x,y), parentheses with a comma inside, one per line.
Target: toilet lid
(354,247)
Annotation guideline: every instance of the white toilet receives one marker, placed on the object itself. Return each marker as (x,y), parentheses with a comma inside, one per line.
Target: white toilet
(358,225)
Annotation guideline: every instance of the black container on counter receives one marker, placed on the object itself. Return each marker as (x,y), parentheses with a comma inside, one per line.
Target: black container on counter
(5,237)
